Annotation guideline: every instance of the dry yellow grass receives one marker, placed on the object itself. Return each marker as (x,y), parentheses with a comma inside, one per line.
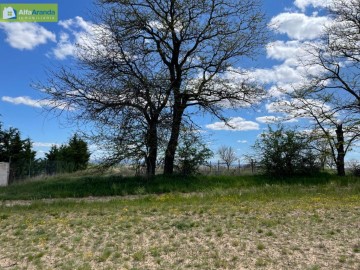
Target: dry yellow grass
(183,232)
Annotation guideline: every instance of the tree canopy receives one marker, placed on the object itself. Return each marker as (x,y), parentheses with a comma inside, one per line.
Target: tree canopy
(149,61)
(69,157)
(17,151)
(328,93)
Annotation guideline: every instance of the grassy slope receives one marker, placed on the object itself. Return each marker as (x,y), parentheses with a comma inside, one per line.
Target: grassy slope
(84,186)
(234,223)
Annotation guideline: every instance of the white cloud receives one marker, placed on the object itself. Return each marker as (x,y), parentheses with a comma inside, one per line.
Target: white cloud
(64,47)
(299,108)
(23,100)
(268,119)
(76,30)
(296,57)
(36,103)
(26,36)
(276,91)
(283,73)
(284,50)
(242,141)
(277,106)
(44,144)
(291,120)
(294,69)
(303,4)
(298,25)
(236,124)
(78,35)
(76,23)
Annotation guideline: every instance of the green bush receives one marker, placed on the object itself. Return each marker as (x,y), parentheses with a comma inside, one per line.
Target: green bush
(191,153)
(286,153)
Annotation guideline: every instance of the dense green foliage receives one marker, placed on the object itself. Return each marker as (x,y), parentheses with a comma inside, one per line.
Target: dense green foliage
(17,151)
(191,153)
(285,152)
(70,157)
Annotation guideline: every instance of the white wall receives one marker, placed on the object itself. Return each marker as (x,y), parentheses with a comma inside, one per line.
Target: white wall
(4,173)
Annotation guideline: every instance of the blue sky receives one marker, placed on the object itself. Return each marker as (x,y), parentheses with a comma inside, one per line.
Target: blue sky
(28,49)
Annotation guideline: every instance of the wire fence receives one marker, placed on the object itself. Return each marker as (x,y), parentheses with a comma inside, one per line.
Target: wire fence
(235,168)
(208,168)
(23,170)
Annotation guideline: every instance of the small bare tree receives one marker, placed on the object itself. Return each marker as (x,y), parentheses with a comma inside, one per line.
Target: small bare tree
(228,155)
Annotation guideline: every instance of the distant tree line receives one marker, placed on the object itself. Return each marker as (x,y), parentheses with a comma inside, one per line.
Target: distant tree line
(19,152)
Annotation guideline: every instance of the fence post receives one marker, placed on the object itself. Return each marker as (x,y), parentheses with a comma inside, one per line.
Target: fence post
(218,170)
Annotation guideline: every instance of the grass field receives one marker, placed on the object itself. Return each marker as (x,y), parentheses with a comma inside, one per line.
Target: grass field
(181,223)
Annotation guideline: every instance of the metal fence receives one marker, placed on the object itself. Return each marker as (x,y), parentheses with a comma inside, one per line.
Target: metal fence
(209,168)
(22,170)
(236,168)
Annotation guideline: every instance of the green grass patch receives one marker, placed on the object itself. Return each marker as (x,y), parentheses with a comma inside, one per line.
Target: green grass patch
(84,186)
(271,226)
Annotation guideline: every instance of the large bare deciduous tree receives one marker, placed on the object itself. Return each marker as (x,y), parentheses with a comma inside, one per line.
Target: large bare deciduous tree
(338,58)
(154,59)
(330,92)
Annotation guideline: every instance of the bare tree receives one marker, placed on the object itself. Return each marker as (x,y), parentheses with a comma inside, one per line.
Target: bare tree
(330,92)
(339,130)
(227,154)
(127,139)
(153,59)
(337,57)
(341,56)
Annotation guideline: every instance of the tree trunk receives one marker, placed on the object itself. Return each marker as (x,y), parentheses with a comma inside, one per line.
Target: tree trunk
(152,143)
(340,166)
(174,139)
(340,159)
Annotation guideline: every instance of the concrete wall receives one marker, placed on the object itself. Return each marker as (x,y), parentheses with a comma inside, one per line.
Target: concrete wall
(4,173)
